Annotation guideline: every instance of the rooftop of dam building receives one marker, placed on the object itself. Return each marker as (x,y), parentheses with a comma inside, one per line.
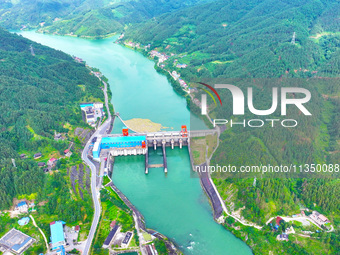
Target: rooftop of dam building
(118,142)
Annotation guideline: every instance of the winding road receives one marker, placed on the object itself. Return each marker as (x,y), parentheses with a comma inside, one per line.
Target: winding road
(95,193)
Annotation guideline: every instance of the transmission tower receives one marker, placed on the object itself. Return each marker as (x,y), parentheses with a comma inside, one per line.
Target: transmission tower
(293,39)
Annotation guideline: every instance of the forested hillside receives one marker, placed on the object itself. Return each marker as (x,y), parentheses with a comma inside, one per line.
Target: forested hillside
(83,17)
(39,96)
(250,43)
(242,42)
(245,42)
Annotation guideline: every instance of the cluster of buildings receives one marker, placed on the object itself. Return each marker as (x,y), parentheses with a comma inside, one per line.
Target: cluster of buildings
(176,76)
(183,83)
(161,56)
(132,44)
(181,65)
(50,163)
(79,60)
(319,218)
(275,226)
(92,111)
(116,237)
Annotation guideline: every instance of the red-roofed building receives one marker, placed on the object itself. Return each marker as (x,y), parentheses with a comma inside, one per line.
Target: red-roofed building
(51,161)
(278,220)
(113,223)
(77,228)
(67,153)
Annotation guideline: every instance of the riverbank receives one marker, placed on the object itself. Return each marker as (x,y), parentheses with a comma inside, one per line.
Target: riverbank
(41,31)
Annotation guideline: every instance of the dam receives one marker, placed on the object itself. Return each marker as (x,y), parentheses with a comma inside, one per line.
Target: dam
(126,144)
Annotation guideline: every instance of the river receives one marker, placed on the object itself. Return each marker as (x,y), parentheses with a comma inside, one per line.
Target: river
(174,205)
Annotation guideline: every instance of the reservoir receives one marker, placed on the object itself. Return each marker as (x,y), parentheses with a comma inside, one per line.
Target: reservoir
(175,204)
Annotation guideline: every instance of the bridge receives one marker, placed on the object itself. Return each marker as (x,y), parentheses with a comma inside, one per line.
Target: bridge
(139,143)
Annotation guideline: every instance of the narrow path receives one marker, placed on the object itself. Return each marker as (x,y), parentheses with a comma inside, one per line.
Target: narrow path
(42,233)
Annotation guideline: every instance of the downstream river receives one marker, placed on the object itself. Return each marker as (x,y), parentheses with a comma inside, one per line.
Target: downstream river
(174,205)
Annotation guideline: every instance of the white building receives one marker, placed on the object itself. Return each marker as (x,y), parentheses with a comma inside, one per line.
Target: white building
(98,105)
(22,207)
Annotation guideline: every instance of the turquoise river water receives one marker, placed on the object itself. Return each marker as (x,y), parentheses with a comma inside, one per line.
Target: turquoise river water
(174,205)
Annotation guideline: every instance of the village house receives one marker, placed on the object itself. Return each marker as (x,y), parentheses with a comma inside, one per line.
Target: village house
(51,162)
(283,237)
(22,207)
(37,155)
(181,65)
(77,229)
(41,164)
(175,75)
(58,136)
(319,218)
(67,153)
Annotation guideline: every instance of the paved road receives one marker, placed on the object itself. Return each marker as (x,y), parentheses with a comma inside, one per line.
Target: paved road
(95,193)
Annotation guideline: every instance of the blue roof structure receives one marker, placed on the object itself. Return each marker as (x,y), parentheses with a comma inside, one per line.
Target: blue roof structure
(17,247)
(120,139)
(22,203)
(57,234)
(60,250)
(15,241)
(117,142)
(86,105)
(23,221)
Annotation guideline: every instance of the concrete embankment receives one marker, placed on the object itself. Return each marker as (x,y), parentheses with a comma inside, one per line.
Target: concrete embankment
(210,191)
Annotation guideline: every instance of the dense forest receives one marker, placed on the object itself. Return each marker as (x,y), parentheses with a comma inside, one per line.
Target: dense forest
(39,95)
(83,17)
(250,44)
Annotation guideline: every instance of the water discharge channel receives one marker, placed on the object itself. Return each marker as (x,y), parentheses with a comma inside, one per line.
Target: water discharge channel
(174,205)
